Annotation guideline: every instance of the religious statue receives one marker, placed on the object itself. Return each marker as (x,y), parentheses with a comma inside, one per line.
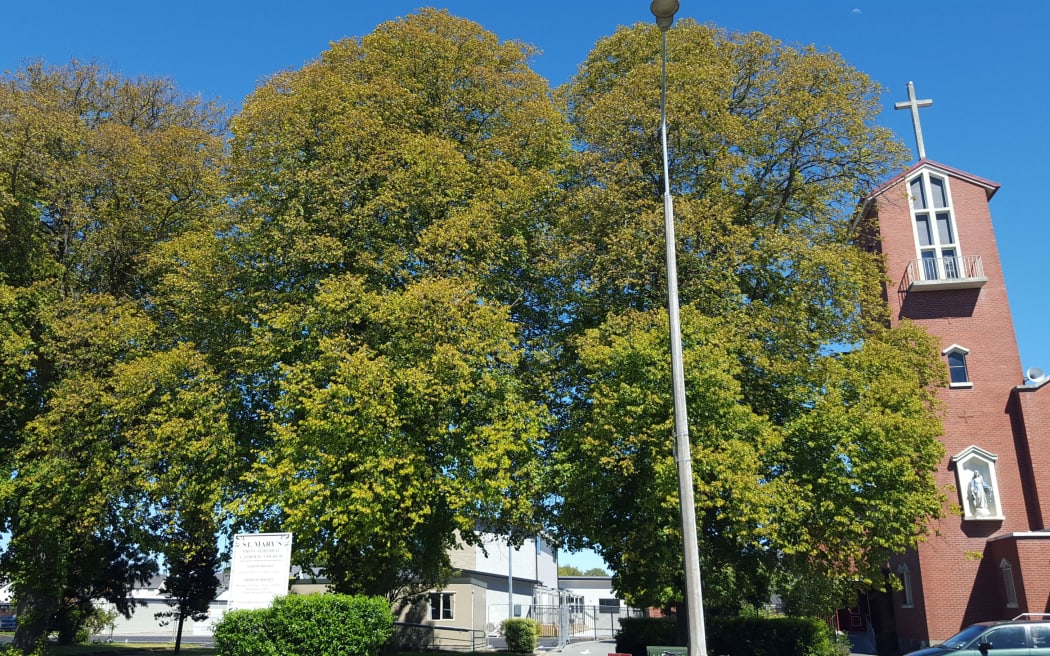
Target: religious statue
(980,494)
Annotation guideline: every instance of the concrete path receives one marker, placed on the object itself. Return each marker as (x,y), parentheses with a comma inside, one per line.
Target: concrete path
(588,648)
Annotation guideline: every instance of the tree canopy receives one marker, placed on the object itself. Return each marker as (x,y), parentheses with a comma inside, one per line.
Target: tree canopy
(109,421)
(390,200)
(786,349)
(414,295)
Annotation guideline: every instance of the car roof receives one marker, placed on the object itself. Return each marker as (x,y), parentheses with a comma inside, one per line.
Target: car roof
(1023,618)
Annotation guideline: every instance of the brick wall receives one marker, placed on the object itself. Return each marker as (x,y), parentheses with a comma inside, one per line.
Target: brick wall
(958,585)
(1032,421)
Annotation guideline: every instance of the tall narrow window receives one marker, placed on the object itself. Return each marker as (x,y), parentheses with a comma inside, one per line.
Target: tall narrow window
(958,373)
(441,605)
(935,235)
(1009,589)
(904,572)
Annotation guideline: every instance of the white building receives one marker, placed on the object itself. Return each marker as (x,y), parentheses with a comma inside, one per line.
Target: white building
(490,584)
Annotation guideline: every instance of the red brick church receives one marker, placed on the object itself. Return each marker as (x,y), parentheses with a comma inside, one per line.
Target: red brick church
(989,558)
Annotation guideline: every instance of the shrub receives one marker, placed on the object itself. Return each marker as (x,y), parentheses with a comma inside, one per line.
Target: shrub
(637,633)
(734,636)
(245,633)
(313,625)
(332,625)
(771,636)
(521,635)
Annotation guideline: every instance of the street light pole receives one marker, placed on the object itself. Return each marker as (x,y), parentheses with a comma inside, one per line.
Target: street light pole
(664,11)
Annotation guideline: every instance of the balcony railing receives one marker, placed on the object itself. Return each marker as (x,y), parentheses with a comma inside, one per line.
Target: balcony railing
(934,274)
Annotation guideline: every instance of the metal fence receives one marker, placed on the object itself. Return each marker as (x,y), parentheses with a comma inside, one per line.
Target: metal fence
(574,622)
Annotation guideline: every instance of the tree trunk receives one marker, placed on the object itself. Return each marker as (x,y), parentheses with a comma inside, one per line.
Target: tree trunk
(34,616)
(178,631)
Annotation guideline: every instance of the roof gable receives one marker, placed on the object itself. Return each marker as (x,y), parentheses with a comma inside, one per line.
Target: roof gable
(989,187)
(868,202)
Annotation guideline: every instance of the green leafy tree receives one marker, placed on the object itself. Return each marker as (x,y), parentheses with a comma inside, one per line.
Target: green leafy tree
(391,204)
(572,570)
(813,426)
(174,411)
(191,582)
(96,170)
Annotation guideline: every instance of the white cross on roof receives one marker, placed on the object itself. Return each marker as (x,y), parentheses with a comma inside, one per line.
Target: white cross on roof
(914,106)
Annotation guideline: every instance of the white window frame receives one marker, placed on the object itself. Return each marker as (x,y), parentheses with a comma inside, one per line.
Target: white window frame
(944,266)
(445,606)
(955,349)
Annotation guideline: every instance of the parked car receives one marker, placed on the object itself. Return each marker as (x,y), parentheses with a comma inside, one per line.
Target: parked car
(1024,635)
(8,622)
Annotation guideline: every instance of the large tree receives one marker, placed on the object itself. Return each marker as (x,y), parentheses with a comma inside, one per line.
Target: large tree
(390,207)
(813,425)
(96,171)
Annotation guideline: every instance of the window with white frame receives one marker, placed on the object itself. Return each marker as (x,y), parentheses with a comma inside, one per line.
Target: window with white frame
(442,605)
(904,573)
(575,603)
(1009,589)
(958,373)
(935,235)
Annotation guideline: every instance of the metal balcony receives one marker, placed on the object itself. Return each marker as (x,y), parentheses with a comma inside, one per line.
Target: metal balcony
(936,274)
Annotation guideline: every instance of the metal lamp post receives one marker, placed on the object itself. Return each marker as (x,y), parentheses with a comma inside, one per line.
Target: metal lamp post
(664,11)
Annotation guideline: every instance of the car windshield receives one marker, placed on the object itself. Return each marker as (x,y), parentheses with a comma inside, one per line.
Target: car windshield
(964,637)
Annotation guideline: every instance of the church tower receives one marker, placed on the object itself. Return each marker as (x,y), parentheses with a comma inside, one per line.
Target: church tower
(989,557)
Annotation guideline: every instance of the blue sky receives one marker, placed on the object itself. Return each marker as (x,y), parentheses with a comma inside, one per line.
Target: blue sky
(986,66)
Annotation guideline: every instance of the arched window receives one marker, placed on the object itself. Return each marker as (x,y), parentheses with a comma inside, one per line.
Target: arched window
(958,373)
(1009,589)
(904,572)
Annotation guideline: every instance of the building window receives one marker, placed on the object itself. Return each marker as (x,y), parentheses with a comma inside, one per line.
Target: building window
(442,605)
(1007,570)
(904,572)
(575,603)
(958,374)
(935,236)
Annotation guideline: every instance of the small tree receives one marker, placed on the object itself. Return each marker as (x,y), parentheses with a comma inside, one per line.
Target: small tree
(191,582)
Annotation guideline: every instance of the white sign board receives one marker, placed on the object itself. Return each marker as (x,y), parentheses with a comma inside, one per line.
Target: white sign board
(260,569)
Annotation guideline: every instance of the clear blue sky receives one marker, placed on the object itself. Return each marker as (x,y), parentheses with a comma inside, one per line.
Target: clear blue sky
(986,66)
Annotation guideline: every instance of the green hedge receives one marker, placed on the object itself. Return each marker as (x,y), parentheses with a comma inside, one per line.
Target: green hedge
(521,635)
(244,632)
(734,636)
(770,636)
(637,633)
(311,625)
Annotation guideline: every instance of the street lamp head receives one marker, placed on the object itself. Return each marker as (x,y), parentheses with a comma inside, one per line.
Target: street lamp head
(664,10)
